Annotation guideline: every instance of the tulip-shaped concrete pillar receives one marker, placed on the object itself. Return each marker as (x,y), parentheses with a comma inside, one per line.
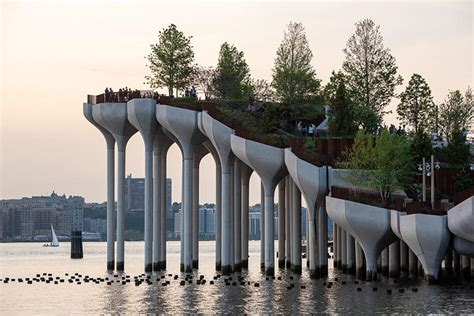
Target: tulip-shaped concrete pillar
(311,181)
(296,229)
(460,219)
(245,173)
(428,236)
(288,208)
(219,135)
(262,227)
(370,225)
(199,152)
(141,114)
(237,216)
(394,259)
(113,117)
(183,124)
(110,142)
(350,248)
(161,144)
(268,162)
(281,224)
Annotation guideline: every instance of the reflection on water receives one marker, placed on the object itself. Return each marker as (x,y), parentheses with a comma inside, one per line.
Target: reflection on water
(297,295)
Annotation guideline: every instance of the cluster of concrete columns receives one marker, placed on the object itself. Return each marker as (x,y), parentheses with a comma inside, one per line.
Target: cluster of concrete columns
(236,158)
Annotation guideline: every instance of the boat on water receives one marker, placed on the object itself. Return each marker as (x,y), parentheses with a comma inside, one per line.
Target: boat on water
(55,241)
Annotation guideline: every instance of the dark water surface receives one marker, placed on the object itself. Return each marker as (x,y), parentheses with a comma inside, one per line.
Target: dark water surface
(21,260)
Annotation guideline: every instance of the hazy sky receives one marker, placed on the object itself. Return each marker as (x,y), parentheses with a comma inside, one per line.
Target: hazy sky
(54,53)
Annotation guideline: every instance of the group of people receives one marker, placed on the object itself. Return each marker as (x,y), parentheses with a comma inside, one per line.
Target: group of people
(126,94)
(306,130)
(393,130)
(190,93)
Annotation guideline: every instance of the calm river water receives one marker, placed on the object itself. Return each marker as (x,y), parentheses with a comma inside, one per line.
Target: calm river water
(22,260)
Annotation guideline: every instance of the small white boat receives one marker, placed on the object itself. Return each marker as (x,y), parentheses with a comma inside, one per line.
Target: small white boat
(55,241)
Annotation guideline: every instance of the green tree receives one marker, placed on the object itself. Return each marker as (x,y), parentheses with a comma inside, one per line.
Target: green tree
(329,90)
(170,61)
(371,73)
(294,79)
(341,113)
(232,79)
(457,152)
(421,145)
(383,165)
(261,90)
(416,104)
(202,77)
(456,111)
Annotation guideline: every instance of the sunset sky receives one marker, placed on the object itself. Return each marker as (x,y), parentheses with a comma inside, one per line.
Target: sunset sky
(54,53)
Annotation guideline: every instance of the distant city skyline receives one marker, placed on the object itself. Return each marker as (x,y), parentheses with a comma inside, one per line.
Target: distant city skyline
(53,55)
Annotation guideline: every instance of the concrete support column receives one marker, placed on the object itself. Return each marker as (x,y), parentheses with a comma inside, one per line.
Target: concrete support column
(269,233)
(195,212)
(262,226)
(334,244)
(281,224)
(448,261)
(245,177)
(237,216)
(110,206)
(359,258)
(456,262)
(324,239)
(288,208)
(163,208)
(148,210)
(394,260)
(350,253)
(308,247)
(296,251)
(339,247)
(187,237)
(121,210)
(385,261)
(226,220)
(232,232)
(156,210)
(218,215)
(403,256)
(344,250)
(466,267)
(412,263)
(312,247)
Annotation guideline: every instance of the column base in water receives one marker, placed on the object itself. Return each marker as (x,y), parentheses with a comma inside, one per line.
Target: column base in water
(371,276)
(296,268)
(394,274)
(351,269)
(149,267)
(162,265)
(288,264)
(218,266)
(262,266)
(324,270)
(360,273)
(195,264)
(466,272)
(238,267)
(245,264)
(281,264)
(339,264)
(226,270)
(188,269)
(307,263)
(270,271)
(430,279)
(156,266)
(344,268)
(315,274)
(120,266)
(110,265)
(181,267)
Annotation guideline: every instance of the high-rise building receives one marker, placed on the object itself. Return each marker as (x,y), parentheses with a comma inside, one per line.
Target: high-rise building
(135,197)
(177,224)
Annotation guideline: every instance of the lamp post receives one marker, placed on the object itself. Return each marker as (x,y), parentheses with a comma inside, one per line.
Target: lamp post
(428,171)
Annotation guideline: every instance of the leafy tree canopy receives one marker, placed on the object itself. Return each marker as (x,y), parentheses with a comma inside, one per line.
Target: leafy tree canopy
(416,104)
(170,61)
(371,73)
